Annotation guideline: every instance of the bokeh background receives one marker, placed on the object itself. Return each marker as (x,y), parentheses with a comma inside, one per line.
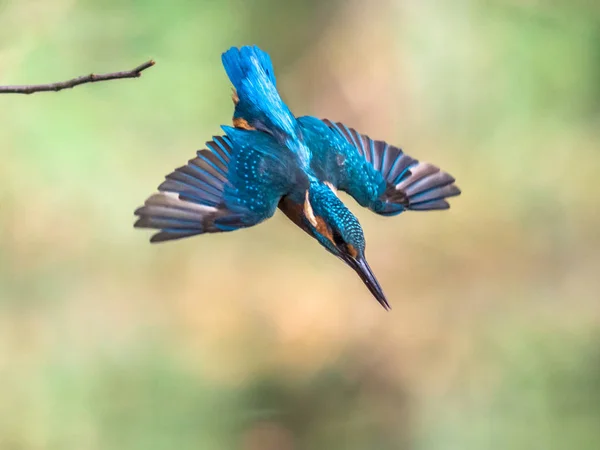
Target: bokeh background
(259,339)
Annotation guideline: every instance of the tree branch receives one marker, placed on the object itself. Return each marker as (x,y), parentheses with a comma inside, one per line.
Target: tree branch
(91,78)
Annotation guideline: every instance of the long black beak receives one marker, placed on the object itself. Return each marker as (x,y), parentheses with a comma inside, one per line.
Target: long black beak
(365,273)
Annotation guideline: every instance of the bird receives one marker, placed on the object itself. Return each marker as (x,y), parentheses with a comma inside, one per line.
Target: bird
(270,159)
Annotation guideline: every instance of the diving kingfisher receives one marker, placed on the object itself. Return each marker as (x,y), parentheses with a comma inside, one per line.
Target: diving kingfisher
(271,159)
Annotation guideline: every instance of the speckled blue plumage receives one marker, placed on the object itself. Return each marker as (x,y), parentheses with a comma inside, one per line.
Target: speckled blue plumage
(260,173)
(327,205)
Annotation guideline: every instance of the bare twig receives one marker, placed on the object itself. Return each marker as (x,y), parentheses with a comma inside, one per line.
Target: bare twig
(30,89)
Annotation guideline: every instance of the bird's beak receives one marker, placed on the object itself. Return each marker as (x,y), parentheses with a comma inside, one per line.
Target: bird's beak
(361,267)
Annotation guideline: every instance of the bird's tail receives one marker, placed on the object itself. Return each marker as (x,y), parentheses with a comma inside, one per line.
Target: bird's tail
(248,62)
(424,187)
(257,101)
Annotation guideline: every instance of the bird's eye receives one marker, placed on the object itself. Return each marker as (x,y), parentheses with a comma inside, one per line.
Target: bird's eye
(338,240)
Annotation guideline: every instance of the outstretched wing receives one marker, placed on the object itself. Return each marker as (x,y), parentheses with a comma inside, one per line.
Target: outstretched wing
(236,182)
(398,181)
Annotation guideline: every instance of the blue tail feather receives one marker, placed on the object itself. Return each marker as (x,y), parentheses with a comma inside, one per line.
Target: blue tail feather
(258,103)
(242,63)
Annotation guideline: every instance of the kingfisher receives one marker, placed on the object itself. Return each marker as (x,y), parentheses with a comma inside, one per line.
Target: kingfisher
(270,159)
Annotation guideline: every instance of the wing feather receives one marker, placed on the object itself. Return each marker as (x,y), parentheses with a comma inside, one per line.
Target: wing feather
(408,183)
(224,188)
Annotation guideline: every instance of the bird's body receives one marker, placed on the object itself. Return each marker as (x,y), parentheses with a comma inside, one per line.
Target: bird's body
(273,159)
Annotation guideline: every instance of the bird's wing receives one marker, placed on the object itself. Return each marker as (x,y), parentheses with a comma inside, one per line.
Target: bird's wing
(236,182)
(385,179)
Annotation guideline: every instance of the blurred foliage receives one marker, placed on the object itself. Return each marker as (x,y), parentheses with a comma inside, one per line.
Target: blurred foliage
(258,339)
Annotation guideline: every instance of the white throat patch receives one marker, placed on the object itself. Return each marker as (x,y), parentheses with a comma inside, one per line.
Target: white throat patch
(308,211)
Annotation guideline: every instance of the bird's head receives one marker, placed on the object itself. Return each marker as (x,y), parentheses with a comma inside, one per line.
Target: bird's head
(338,230)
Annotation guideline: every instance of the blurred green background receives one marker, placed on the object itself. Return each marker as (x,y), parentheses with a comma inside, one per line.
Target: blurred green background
(259,339)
